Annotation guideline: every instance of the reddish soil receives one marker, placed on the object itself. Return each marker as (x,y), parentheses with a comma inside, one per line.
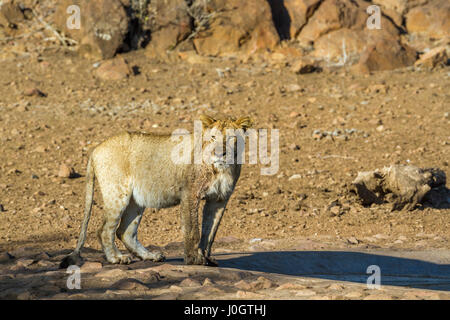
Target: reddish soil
(399,116)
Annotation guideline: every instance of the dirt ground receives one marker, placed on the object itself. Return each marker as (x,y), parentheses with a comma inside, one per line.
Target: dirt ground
(398,117)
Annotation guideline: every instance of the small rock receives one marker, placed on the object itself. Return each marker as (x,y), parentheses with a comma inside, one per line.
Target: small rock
(248,295)
(188,282)
(192,57)
(335,286)
(33,92)
(293,88)
(318,135)
(40,149)
(243,285)
(234,275)
(82,296)
(22,108)
(5,257)
(377,88)
(90,266)
(23,262)
(114,69)
(22,252)
(262,283)
(294,177)
(163,267)
(45,263)
(305,292)
(303,66)
(352,240)
(208,282)
(335,211)
(148,276)
(25,296)
(66,172)
(130,284)
(2,208)
(113,273)
(60,296)
(378,297)
(175,288)
(42,256)
(320,298)
(422,294)
(353,295)
(167,296)
(376,121)
(291,286)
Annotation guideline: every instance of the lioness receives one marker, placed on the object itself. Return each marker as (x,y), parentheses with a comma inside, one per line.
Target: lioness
(137,171)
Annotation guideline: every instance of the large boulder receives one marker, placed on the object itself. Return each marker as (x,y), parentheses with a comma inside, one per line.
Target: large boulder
(331,15)
(237,26)
(431,20)
(337,31)
(386,54)
(395,5)
(10,14)
(104,26)
(169,23)
(290,16)
(340,46)
(399,6)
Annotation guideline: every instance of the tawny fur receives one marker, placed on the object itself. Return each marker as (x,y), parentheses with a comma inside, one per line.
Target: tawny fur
(135,171)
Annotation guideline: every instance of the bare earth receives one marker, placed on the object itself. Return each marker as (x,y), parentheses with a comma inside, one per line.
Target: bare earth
(276,227)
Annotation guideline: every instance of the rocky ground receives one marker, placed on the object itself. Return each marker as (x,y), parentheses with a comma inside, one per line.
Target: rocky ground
(394,119)
(278,230)
(292,274)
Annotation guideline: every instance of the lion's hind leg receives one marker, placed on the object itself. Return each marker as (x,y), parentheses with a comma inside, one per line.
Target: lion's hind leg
(115,205)
(127,233)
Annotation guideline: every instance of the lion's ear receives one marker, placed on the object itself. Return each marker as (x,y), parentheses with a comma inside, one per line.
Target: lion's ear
(244,123)
(206,120)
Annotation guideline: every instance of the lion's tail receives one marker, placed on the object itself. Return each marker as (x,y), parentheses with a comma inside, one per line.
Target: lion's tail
(75,257)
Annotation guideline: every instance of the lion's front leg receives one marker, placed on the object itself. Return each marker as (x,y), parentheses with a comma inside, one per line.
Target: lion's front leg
(189,225)
(212,215)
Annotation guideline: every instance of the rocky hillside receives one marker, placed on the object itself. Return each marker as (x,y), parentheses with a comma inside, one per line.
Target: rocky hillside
(306,35)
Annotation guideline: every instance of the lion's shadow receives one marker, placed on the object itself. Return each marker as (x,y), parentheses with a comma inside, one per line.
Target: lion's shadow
(344,266)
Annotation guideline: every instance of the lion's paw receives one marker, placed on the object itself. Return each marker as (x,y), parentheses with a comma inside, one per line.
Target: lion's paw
(120,259)
(154,256)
